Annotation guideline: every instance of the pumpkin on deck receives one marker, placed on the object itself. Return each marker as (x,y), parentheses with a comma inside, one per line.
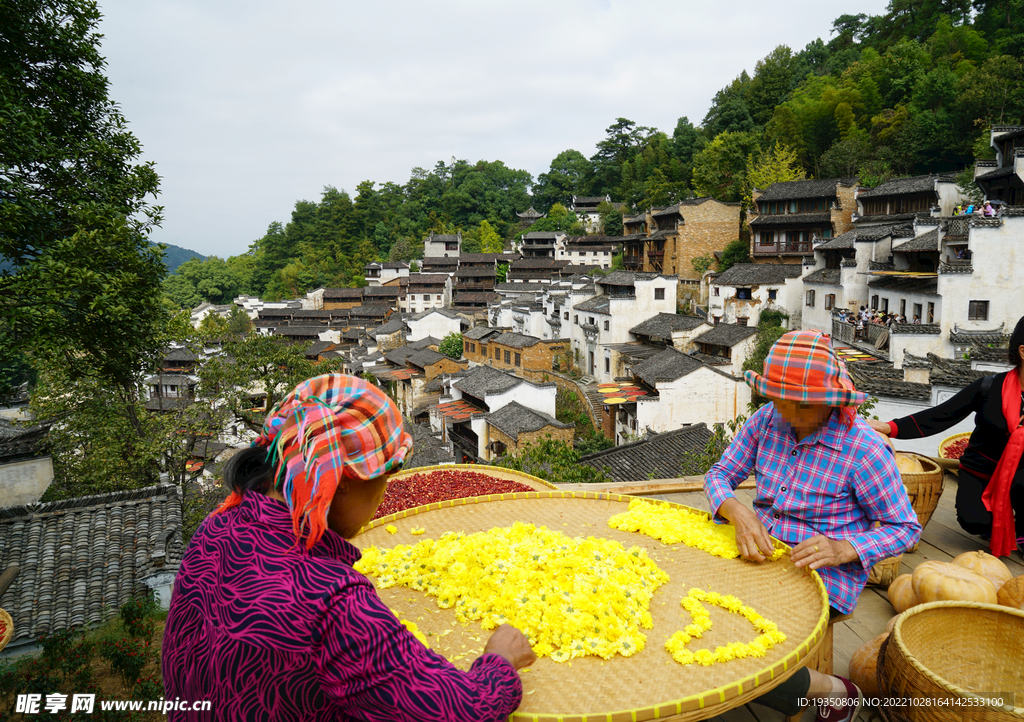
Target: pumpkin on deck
(986,565)
(901,593)
(945,581)
(1011,594)
(864,666)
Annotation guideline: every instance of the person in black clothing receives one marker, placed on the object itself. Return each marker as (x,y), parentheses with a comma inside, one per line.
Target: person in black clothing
(990,440)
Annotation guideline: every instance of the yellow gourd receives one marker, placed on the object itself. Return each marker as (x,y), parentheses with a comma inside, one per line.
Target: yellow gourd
(901,593)
(986,565)
(945,581)
(864,666)
(1012,593)
(908,464)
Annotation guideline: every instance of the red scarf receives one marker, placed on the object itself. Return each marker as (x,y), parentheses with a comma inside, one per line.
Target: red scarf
(997,493)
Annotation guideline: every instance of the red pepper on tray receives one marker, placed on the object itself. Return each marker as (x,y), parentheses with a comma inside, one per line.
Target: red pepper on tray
(957,448)
(434,486)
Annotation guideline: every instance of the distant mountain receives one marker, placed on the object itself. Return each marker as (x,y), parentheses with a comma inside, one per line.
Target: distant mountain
(174,256)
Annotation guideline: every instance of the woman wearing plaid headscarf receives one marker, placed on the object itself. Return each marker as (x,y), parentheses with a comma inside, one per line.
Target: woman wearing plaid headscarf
(268,619)
(827,484)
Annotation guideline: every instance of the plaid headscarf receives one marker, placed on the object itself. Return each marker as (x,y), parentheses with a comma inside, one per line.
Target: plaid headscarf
(329,428)
(802,366)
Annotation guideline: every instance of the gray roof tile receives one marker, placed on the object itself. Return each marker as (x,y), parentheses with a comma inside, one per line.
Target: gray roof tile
(662,325)
(827,276)
(516,340)
(900,186)
(757,274)
(726,334)
(792,190)
(484,380)
(668,365)
(82,559)
(660,456)
(514,418)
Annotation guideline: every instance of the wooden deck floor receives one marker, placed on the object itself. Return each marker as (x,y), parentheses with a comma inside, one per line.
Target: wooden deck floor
(942,540)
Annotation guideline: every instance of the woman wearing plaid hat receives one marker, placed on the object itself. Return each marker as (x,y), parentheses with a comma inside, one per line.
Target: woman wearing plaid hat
(268,619)
(824,480)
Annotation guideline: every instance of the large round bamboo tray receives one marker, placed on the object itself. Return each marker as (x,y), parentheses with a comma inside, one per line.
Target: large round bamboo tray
(534,482)
(650,684)
(9,625)
(950,660)
(949,441)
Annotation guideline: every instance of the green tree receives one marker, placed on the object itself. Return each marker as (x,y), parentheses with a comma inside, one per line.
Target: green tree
(737,251)
(769,331)
(624,139)
(613,223)
(554,461)
(776,165)
(451,345)
(719,170)
(569,174)
(82,282)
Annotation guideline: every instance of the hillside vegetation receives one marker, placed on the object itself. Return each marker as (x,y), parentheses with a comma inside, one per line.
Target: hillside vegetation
(909,92)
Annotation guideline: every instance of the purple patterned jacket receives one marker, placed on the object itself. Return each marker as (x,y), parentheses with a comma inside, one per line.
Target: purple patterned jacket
(267,631)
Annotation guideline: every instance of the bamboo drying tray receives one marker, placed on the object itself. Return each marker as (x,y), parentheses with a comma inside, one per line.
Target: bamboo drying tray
(945,443)
(650,684)
(949,657)
(498,472)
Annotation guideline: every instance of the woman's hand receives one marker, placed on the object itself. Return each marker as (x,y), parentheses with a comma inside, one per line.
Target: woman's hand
(820,551)
(510,643)
(881,427)
(751,536)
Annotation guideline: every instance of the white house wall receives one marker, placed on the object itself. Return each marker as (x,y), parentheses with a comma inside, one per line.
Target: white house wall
(538,398)
(435,324)
(703,395)
(889,408)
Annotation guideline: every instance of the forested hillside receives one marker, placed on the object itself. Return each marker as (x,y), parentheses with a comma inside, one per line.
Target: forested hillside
(912,91)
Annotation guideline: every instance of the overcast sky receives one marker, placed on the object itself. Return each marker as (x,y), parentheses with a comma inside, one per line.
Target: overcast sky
(247,106)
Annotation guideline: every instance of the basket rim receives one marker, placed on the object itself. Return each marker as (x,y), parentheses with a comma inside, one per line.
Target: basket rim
(941,682)
(706,699)
(470,467)
(949,440)
(9,621)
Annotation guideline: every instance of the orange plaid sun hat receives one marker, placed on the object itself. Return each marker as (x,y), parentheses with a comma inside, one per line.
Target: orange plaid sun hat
(802,366)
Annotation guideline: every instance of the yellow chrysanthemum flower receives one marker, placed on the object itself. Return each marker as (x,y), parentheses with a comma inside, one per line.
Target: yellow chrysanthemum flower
(572,597)
(692,603)
(674,525)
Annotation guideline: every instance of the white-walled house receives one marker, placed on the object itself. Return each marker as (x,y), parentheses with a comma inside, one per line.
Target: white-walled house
(623,299)
(379,274)
(901,200)
(681,390)
(726,346)
(741,293)
(437,322)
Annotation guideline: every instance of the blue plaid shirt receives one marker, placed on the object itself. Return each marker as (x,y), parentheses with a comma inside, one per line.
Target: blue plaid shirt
(838,482)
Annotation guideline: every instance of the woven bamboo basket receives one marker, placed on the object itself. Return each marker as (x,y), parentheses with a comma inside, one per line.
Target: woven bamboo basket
(650,684)
(924,489)
(883,573)
(8,625)
(950,660)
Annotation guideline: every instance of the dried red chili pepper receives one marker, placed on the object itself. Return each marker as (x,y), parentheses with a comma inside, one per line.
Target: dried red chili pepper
(443,485)
(956,449)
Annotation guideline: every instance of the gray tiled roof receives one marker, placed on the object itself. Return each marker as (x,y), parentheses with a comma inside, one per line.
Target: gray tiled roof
(439,261)
(484,380)
(827,276)
(428,279)
(624,278)
(662,325)
(660,456)
(925,242)
(997,336)
(443,237)
(475,272)
(924,329)
(475,297)
(424,357)
(522,287)
(873,382)
(538,263)
(906,284)
(953,372)
(81,559)
(792,190)
(428,450)
(597,304)
(392,326)
(425,342)
(516,340)
(841,242)
(899,186)
(544,235)
(397,356)
(668,365)
(956,266)
(514,418)
(341,293)
(726,334)
(757,274)
(375,293)
(887,218)
(874,233)
(792,219)
(180,354)
(479,333)
(301,331)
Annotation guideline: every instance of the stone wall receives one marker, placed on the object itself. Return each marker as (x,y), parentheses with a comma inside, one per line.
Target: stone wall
(538,357)
(708,227)
(842,220)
